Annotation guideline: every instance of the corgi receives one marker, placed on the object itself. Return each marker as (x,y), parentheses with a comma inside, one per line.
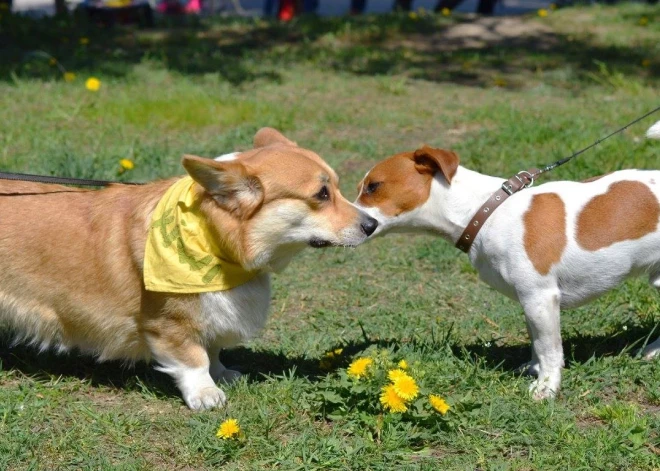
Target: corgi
(172,271)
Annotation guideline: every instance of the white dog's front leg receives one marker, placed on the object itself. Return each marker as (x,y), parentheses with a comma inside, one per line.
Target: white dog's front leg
(530,368)
(542,315)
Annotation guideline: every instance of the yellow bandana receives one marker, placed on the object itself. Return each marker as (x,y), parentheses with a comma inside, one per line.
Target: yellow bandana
(181,255)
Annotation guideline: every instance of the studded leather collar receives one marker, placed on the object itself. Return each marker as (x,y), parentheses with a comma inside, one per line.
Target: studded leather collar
(521,180)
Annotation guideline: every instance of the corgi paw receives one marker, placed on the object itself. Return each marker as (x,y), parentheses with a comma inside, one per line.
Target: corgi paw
(206,398)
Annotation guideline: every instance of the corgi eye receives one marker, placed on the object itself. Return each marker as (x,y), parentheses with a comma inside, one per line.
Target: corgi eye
(323,195)
(371,187)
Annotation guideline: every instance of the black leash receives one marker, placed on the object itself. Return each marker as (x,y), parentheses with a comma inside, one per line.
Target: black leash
(556,164)
(26,177)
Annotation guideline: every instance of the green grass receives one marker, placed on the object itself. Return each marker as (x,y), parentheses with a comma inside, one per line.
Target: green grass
(355,91)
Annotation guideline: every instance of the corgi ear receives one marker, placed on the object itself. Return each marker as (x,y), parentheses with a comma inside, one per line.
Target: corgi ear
(229,183)
(430,160)
(267,136)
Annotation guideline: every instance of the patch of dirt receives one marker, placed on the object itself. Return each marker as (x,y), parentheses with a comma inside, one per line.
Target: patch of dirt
(481,33)
(588,421)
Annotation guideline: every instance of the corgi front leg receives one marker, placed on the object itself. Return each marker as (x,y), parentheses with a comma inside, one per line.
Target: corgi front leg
(189,364)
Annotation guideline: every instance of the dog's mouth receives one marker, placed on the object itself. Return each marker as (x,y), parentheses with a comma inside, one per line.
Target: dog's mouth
(319,243)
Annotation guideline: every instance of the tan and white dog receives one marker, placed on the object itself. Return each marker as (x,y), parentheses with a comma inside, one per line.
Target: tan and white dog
(71,260)
(557,245)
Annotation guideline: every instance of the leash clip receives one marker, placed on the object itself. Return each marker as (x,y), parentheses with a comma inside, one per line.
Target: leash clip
(527,175)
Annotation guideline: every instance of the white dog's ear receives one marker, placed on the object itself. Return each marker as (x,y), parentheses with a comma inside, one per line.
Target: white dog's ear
(430,160)
(229,183)
(267,136)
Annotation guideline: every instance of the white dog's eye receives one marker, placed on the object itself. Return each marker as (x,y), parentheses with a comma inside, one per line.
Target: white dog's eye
(323,195)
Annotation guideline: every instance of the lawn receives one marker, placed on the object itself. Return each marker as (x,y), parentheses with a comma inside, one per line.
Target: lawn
(504,93)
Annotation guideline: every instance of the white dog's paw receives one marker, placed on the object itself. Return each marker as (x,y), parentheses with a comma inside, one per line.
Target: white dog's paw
(543,389)
(529,369)
(206,398)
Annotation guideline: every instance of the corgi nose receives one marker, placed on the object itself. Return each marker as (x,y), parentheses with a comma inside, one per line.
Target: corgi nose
(369,225)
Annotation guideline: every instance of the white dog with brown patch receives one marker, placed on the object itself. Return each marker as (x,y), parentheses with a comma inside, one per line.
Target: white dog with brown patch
(171,271)
(554,246)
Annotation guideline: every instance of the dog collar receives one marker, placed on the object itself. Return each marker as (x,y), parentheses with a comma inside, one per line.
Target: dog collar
(521,180)
(182,255)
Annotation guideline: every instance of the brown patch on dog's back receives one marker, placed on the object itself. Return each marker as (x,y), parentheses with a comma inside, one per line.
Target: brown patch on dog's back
(545,231)
(628,211)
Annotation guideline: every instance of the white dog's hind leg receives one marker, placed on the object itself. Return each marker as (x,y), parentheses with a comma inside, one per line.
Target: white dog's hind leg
(652,350)
(542,315)
(218,371)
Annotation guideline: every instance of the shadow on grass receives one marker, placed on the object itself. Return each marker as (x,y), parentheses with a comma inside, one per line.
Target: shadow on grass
(44,366)
(259,364)
(578,348)
(468,51)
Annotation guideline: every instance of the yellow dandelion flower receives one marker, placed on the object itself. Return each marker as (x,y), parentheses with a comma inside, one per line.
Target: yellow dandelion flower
(445,12)
(403,365)
(543,12)
(84,41)
(328,358)
(93,84)
(358,368)
(406,387)
(228,429)
(643,21)
(52,61)
(412,15)
(69,76)
(393,375)
(646,63)
(391,400)
(127,164)
(438,404)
